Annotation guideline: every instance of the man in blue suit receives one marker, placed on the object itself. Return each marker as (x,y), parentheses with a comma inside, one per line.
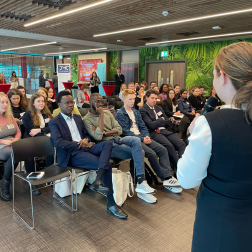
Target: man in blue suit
(74,147)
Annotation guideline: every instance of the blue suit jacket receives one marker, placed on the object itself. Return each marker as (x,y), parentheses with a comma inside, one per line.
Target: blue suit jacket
(62,138)
(125,122)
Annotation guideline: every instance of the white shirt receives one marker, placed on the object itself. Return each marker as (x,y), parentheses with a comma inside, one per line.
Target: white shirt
(72,127)
(156,116)
(174,108)
(134,127)
(192,167)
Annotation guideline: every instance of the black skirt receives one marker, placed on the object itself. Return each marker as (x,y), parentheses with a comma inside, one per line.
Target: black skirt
(94,89)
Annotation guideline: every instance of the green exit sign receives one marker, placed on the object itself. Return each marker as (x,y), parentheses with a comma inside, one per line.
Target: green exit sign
(164,54)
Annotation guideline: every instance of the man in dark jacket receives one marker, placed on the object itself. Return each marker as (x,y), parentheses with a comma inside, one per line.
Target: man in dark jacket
(74,147)
(120,79)
(158,124)
(132,125)
(41,79)
(55,82)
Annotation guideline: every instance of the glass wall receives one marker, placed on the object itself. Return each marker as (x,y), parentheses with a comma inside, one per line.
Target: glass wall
(27,68)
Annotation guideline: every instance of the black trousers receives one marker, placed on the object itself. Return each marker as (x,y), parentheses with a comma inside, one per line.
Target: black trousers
(184,124)
(117,89)
(94,89)
(86,105)
(172,143)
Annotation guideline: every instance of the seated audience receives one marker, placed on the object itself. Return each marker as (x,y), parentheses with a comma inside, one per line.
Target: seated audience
(203,98)
(136,85)
(101,125)
(25,99)
(131,86)
(159,98)
(214,94)
(158,125)
(163,91)
(144,84)
(171,110)
(177,91)
(190,92)
(42,91)
(17,105)
(139,101)
(9,133)
(133,125)
(184,106)
(2,79)
(82,98)
(74,147)
(153,84)
(195,100)
(51,103)
(35,121)
(75,110)
(123,87)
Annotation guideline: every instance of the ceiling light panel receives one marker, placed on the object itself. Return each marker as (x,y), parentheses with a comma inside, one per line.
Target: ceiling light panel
(175,22)
(16,48)
(67,13)
(87,50)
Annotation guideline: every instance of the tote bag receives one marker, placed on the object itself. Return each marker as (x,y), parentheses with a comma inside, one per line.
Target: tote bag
(122,185)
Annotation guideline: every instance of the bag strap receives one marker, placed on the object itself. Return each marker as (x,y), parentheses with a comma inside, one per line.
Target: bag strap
(130,186)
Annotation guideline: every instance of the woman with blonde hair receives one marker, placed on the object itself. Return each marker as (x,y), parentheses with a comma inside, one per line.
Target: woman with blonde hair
(9,133)
(218,158)
(2,79)
(36,121)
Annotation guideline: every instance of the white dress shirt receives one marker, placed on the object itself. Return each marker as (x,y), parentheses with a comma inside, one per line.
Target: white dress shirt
(192,167)
(72,127)
(153,109)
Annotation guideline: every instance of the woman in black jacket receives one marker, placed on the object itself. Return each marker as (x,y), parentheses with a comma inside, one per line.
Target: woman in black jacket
(171,110)
(195,100)
(36,121)
(214,94)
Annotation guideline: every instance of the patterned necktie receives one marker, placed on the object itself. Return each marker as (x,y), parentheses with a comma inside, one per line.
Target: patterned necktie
(157,130)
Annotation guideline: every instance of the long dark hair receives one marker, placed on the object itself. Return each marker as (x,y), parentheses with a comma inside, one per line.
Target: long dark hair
(17,92)
(171,101)
(161,88)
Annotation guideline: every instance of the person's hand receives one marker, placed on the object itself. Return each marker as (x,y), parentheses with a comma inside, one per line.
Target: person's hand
(163,118)
(192,125)
(83,143)
(94,128)
(100,111)
(17,120)
(34,132)
(177,113)
(14,139)
(7,142)
(147,140)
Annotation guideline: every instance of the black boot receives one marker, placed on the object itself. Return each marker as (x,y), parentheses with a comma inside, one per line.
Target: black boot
(5,190)
(36,192)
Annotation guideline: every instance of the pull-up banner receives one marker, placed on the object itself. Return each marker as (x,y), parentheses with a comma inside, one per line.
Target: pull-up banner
(128,71)
(64,75)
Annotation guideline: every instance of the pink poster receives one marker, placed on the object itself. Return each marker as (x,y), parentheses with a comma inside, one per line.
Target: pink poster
(86,67)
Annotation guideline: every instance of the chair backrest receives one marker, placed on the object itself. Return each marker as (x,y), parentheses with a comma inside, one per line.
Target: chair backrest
(111,101)
(118,104)
(32,147)
(105,97)
(117,98)
(83,111)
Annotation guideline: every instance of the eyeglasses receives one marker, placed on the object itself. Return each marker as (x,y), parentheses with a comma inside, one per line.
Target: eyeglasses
(98,101)
(69,103)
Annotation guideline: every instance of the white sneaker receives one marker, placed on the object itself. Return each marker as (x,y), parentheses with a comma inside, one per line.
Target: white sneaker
(147,197)
(174,189)
(173,182)
(145,188)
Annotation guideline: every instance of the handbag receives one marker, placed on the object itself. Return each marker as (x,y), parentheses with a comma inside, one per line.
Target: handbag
(122,185)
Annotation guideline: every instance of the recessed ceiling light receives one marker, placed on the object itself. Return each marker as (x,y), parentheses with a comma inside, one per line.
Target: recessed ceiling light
(165,13)
(66,13)
(175,22)
(197,38)
(10,49)
(119,40)
(216,27)
(87,50)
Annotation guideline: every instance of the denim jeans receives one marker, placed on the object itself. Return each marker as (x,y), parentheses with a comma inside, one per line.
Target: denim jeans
(129,147)
(158,157)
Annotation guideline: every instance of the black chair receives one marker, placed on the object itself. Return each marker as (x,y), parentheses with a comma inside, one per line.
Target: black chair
(106,97)
(83,111)
(117,98)
(38,147)
(111,101)
(118,104)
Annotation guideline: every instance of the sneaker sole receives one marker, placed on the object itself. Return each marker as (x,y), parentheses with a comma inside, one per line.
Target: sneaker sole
(148,201)
(142,191)
(172,185)
(171,189)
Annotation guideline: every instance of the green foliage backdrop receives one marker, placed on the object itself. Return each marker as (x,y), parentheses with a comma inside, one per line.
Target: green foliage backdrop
(200,59)
(113,63)
(74,68)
